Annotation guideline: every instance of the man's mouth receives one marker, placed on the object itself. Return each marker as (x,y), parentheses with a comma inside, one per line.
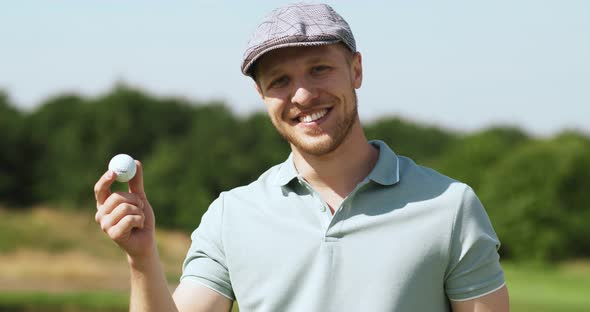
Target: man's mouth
(307,118)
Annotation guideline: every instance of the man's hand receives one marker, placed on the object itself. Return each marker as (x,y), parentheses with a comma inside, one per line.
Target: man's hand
(126,217)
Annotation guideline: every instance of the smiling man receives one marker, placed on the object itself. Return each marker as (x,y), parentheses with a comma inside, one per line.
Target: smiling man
(317,111)
(343,224)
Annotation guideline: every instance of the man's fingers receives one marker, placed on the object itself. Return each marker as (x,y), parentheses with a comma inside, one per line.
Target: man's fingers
(122,197)
(102,188)
(122,229)
(116,199)
(123,210)
(136,184)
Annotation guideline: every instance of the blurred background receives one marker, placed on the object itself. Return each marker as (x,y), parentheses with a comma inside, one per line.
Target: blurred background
(491,93)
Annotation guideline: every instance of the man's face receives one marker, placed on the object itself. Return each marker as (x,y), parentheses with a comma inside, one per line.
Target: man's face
(310,96)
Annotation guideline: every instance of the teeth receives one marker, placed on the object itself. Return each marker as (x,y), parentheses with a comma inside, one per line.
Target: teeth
(313,117)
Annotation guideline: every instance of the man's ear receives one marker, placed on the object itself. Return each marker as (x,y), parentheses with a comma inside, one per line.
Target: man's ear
(357,70)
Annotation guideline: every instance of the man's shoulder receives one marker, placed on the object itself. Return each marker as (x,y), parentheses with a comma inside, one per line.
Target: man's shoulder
(418,178)
(410,170)
(393,168)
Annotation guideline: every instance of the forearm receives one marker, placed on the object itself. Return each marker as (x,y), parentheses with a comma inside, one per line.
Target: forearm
(149,288)
(498,301)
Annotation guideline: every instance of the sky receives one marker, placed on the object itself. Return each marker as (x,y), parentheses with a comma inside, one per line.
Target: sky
(463,65)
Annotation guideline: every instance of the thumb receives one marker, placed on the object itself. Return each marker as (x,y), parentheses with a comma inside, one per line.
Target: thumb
(136,184)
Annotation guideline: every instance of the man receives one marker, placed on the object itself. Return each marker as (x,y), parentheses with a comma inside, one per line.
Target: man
(342,225)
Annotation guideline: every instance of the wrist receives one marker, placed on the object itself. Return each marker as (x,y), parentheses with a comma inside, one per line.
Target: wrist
(143,262)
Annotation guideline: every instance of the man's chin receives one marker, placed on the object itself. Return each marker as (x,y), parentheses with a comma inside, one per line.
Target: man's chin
(316,146)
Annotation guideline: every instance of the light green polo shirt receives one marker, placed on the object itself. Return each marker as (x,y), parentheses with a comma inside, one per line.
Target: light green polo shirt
(406,239)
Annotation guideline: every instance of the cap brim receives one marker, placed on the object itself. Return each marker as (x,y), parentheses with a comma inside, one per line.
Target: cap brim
(248,66)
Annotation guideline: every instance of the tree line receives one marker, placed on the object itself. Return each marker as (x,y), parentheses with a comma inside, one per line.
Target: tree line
(536,190)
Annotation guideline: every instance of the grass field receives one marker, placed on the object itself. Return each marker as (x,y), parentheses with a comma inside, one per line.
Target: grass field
(559,288)
(38,301)
(54,261)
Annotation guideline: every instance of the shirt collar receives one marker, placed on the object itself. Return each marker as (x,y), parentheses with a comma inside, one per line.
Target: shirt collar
(286,172)
(385,172)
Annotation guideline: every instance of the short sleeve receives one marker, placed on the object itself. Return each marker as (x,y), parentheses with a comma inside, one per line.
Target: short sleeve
(474,267)
(205,260)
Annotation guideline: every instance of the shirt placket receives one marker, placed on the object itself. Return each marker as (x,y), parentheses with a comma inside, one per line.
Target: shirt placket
(325,215)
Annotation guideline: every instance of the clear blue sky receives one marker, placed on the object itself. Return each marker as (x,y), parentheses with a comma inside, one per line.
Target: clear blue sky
(460,64)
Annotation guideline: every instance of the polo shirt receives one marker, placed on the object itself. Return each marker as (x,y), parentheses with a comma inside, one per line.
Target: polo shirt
(406,239)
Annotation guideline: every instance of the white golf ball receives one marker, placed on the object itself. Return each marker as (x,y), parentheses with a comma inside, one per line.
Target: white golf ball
(124,166)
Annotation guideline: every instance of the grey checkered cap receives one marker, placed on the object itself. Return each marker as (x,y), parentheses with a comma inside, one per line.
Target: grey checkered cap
(295,25)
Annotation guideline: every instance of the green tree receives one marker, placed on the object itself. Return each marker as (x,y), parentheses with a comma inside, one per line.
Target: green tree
(537,197)
(74,138)
(470,157)
(14,153)
(56,129)
(183,176)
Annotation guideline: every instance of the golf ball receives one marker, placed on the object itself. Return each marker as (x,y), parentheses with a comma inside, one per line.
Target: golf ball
(124,166)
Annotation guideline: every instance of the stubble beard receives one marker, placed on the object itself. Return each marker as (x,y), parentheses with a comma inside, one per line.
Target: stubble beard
(343,129)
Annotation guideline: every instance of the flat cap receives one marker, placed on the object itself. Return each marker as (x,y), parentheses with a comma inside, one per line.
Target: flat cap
(296,25)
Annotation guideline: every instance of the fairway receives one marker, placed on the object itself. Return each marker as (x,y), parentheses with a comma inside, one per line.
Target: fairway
(563,288)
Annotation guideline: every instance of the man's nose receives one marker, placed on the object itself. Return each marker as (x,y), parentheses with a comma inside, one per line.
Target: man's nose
(304,93)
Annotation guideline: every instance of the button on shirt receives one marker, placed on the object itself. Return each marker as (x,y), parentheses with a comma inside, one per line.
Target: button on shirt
(406,239)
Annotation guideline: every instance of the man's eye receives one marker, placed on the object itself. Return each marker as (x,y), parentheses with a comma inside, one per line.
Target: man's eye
(320,69)
(279,82)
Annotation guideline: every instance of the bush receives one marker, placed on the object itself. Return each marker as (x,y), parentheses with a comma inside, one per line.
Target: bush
(538,199)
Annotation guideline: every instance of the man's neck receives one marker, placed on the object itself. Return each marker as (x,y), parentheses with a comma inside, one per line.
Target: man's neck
(341,170)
